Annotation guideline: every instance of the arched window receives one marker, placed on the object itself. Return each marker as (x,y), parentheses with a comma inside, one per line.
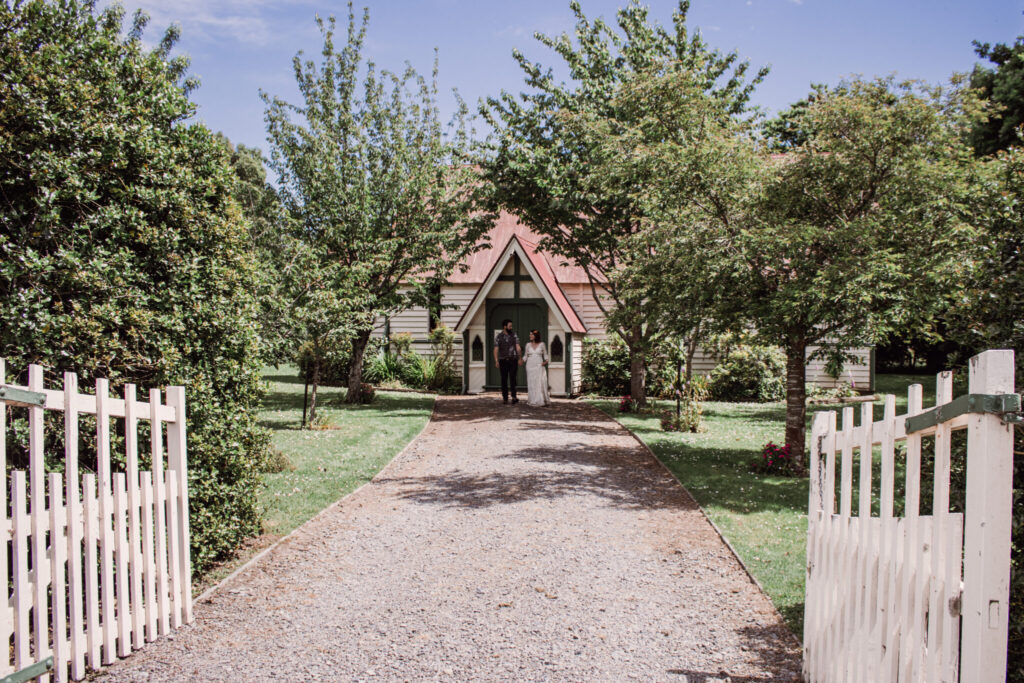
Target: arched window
(557,353)
(477,352)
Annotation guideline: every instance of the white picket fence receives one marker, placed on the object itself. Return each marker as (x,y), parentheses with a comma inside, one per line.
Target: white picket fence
(922,597)
(105,567)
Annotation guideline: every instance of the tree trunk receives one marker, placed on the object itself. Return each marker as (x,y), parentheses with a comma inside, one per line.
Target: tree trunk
(637,367)
(691,351)
(796,398)
(355,371)
(316,383)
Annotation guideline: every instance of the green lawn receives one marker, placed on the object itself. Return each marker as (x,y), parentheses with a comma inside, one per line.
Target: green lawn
(329,463)
(764,518)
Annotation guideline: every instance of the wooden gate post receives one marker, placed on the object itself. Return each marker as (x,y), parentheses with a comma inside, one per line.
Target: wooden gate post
(987,522)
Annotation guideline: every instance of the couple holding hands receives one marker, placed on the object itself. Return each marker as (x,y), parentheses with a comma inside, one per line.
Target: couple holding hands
(509,355)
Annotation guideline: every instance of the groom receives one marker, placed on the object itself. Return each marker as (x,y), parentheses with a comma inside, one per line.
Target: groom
(506,357)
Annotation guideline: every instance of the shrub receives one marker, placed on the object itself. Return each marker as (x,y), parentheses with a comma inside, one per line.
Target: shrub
(776,460)
(383,367)
(816,392)
(413,372)
(276,462)
(439,371)
(605,368)
(690,412)
(750,373)
(123,253)
(334,365)
(402,342)
(661,378)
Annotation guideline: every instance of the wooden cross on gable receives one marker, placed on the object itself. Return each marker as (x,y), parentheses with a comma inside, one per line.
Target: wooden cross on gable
(517,276)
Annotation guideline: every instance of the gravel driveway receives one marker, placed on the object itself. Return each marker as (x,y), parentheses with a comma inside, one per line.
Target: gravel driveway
(504,544)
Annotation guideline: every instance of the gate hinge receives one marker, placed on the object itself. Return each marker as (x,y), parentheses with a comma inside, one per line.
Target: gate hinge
(1006,406)
(22,397)
(29,672)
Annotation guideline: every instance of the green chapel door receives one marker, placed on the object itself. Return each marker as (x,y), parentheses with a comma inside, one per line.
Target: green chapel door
(526,315)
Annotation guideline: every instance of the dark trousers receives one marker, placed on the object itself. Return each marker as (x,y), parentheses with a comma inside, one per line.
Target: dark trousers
(509,368)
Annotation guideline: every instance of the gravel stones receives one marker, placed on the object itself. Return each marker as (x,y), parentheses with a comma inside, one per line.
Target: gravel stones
(506,543)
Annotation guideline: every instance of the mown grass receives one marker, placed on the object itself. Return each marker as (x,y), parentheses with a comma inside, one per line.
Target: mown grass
(328,463)
(763,517)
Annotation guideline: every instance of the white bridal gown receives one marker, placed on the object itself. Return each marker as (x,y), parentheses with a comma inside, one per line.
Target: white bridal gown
(537,374)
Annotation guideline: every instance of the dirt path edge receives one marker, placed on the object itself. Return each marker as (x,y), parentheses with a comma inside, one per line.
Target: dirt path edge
(746,569)
(255,559)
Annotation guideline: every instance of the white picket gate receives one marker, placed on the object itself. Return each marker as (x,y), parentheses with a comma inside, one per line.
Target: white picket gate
(105,566)
(917,598)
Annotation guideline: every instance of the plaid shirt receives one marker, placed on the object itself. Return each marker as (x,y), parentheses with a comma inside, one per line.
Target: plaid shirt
(506,344)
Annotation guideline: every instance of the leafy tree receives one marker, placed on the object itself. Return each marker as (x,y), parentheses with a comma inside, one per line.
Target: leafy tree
(374,186)
(859,230)
(1003,86)
(553,151)
(269,242)
(122,251)
(991,316)
(688,162)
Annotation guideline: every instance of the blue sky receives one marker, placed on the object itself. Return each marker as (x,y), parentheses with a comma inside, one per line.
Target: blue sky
(240,46)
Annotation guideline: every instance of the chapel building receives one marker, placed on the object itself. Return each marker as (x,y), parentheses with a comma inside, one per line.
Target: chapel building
(512,278)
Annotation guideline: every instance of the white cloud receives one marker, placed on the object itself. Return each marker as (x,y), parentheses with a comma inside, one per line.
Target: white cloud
(244,21)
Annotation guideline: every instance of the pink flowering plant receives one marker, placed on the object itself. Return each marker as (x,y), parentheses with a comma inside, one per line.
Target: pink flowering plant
(777,460)
(626,404)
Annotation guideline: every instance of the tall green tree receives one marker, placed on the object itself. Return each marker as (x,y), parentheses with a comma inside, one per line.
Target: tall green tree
(992,317)
(123,253)
(374,184)
(549,157)
(1003,87)
(688,163)
(861,229)
(269,242)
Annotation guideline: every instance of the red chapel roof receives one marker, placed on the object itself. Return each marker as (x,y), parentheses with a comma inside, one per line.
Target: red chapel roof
(481,262)
(545,272)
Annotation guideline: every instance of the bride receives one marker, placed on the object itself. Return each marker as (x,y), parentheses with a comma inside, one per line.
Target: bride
(535,357)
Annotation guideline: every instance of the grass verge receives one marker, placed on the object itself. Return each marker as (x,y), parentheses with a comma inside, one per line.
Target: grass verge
(764,518)
(329,463)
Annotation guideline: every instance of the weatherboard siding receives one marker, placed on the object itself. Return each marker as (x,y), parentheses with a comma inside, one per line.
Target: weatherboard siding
(857,374)
(581,297)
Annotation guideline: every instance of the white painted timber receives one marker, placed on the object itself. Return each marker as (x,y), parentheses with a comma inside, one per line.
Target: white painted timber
(91,554)
(883,599)
(988,518)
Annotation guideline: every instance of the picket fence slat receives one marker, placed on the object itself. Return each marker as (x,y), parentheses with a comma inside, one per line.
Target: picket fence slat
(123,606)
(75,531)
(58,560)
(862,585)
(37,502)
(987,531)
(174,549)
(160,506)
(885,591)
(911,513)
(94,632)
(22,587)
(100,562)
(177,461)
(134,523)
(149,559)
